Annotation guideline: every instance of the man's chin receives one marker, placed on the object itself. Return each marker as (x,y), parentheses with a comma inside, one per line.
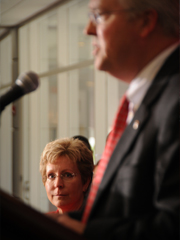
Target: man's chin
(99,64)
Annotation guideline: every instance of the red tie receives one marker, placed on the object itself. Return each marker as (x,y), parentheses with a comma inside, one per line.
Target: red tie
(117,130)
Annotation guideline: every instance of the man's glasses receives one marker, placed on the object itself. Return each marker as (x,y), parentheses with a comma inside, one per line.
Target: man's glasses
(97,18)
(66,176)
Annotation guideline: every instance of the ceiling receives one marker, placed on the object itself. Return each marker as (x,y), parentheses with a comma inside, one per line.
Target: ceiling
(14,12)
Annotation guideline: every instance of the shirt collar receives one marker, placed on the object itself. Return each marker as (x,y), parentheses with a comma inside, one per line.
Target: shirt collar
(140,84)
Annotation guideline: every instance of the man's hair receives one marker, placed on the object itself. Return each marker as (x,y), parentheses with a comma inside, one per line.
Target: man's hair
(73,149)
(167,10)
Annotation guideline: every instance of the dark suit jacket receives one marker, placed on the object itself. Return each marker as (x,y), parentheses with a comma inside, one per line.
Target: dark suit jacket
(138,198)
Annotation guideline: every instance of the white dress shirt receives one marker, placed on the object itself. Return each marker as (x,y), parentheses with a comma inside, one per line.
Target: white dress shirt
(141,83)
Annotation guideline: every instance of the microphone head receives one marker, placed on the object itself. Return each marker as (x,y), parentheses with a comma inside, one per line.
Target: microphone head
(28,81)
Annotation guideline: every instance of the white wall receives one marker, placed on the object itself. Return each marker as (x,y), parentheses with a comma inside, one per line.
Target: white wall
(6,130)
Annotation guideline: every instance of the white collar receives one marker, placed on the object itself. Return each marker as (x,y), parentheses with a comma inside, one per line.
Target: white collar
(140,84)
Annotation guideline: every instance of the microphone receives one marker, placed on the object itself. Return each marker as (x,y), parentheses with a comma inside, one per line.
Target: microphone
(25,83)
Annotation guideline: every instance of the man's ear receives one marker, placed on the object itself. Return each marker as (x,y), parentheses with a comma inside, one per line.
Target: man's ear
(86,185)
(149,23)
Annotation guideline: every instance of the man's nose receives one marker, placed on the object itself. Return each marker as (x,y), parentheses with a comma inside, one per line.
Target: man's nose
(90,28)
(58,182)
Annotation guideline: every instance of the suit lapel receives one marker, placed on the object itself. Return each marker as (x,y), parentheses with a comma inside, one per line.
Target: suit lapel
(122,148)
(141,117)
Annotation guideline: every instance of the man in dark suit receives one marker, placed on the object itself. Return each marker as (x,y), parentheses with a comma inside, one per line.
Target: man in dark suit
(138,197)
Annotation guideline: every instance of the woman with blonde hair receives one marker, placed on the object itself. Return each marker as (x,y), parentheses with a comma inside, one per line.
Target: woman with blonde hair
(66,167)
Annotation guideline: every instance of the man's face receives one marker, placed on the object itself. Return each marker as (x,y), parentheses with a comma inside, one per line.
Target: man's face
(115,38)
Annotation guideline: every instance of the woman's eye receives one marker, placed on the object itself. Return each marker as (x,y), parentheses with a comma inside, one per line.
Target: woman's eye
(68,175)
(51,176)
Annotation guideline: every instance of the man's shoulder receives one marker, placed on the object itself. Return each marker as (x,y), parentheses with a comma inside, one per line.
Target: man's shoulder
(171,65)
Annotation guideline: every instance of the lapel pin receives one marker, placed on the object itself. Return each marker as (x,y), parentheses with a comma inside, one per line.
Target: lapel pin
(136,124)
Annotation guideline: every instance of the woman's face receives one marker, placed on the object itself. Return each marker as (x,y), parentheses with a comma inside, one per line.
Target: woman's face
(64,185)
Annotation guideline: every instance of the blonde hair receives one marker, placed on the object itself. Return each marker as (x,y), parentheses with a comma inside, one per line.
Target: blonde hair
(74,149)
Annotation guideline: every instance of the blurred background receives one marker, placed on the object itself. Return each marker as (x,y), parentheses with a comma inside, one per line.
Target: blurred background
(46,36)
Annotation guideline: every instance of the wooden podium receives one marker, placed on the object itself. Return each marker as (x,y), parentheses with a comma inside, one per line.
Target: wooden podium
(19,221)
